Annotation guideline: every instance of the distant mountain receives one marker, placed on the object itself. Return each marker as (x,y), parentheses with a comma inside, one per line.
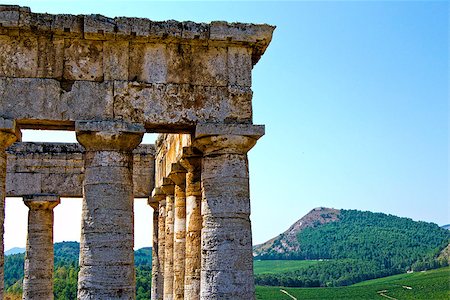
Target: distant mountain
(446,226)
(286,244)
(14,250)
(326,233)
(355,245)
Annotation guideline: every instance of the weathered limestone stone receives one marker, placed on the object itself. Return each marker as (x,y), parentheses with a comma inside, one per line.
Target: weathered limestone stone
(9,133)
(191,161)
(57,168)
(178,176)
(106,246)
(227,261)
(38,271)
(161,246)
(168,188)
(58,69)
(157,202)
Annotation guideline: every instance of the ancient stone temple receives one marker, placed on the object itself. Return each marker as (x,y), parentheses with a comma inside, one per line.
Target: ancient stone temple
(111,81)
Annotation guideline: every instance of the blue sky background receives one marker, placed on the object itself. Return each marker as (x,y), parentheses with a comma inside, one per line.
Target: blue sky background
(354,96)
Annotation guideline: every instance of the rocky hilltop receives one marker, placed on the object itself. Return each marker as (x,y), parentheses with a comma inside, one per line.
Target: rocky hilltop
(287,242)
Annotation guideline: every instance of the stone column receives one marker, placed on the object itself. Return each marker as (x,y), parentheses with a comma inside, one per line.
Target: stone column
(9,133)
(227,261)
(38,271)
(168,189)
(158,203)
(191,161)
(107,233)
(178,176)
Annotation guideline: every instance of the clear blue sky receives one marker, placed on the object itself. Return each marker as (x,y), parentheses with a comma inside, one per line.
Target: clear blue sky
(354,96)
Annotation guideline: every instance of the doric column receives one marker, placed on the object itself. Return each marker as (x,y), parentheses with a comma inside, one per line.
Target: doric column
(178,176)
(107,233)
(38,271)
(158,203)
(227,262)
(168,188)
(9,133)
(191,161)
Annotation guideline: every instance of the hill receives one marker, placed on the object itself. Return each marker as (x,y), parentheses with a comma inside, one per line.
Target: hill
(355,245)
(287,243)
(419,285)
(446,226)
(14,250)
(66,271)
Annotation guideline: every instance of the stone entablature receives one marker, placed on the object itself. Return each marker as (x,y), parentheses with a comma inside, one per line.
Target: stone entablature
(58,69)
(57,168)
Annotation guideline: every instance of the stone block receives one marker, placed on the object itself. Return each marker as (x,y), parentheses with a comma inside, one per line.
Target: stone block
(240,103)
(179,59)
(24,184)
(9,17)
(115,60)
(134,27)
(25,98)
(148,63)
(18,56)
(98,27)
(240,66)
(241,32)
(207,129)
(83,60)
(88,100)
(209,66)
(63,184)
(50,60)
(68,25)
(166,29)
(195,31)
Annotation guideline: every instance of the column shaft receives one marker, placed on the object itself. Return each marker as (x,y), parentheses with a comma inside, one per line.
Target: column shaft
(179,241)
(192,163)
(227,261)
(169,240)
(161,247)
(155,259)
(38,271)
(158,201)
(107,232)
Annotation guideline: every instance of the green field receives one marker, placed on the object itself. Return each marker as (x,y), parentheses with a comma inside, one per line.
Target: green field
(429,285)
(280,266)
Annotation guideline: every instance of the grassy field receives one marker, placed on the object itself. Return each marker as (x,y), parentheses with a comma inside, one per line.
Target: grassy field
(429,285)
(280,266)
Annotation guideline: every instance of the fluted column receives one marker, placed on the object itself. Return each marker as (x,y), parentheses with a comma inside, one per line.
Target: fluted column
(9,133)
(168,188)
(107,233)
(227,262)
(38,270)
(158,203)
(178,176)
(191,161)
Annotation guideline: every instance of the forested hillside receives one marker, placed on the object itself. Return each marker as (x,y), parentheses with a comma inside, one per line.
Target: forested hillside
(358,246)
(66,272)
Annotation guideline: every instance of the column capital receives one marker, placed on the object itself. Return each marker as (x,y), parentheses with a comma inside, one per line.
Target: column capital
(177,174)
(41,201)
(191,159)
(168,186)
(157,196)
(226,138)
(109,135)
(9,133)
